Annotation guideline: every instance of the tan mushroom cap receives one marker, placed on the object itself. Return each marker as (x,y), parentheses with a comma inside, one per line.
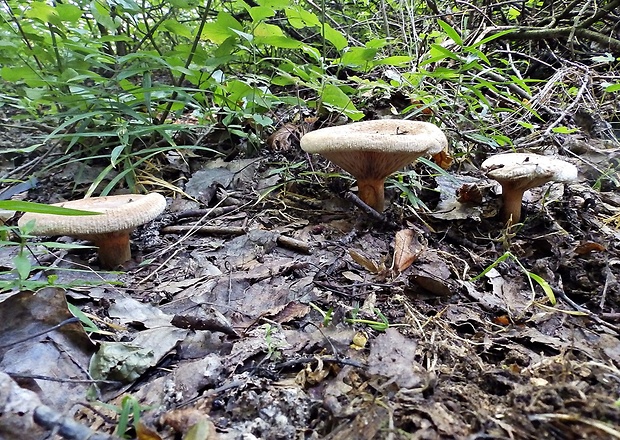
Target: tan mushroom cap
(518,172)
(110,230)
(372,150)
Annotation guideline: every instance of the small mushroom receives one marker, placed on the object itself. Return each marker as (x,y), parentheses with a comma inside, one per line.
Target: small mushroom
(110,230)
(518,172)
(372,150)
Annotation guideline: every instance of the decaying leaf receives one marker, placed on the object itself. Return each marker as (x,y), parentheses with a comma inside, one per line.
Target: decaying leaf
(407,249)
(368,264)
(443,159)
(144,432)
(392,356)
(588,247)
(196,424)
(469,193)
(359,341)
(289,134)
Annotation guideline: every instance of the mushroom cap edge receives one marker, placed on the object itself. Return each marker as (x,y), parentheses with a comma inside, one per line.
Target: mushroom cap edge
(118,213)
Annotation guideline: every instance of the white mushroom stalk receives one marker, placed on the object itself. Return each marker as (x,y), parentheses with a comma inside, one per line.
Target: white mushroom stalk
(372,150)
(518,172)
(110,231)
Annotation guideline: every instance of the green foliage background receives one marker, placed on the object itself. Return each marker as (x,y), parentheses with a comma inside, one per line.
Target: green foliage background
(120,80)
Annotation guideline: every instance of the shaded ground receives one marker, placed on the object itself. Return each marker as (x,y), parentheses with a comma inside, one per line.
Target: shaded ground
(283,311)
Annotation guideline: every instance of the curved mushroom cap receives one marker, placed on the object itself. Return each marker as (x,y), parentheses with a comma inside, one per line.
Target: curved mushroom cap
(118,213)
(375,149)
(528,170)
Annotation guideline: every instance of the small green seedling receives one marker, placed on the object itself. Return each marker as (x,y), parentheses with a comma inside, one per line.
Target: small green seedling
(531,276)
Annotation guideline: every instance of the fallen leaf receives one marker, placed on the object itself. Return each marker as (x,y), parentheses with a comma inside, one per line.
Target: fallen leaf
(588,247)
(469,193)
(368,264)
(392,356)
(443,159)
(406,249)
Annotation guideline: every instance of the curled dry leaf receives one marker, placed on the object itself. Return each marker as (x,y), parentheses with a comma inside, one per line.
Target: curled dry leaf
(368,264)
(588,247)
(407,249)
(183,420)
(288,134)
(469,193)
(443,159)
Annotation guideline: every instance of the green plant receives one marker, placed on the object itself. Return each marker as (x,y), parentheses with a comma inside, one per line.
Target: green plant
(530,276)
(381,325)
(128,412)
(18,277)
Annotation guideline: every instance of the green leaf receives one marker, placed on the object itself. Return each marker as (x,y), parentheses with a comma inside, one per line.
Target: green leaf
(23,266)
(451,32)
(41,208)
(281,42)
(300,18)
(68,12)
(358,56)
(89,325)
(335,98)
(116,152)
(564,130)
(493,37)
(102,15)
(612,88)
(42,12)
(396,60)
(268,30)
(545,286)
(439,53)
(274,4)
(335,37)
(177,28)
(259,13)
(221,29)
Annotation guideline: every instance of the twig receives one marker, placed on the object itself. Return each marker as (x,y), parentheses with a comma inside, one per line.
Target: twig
(51,329)
(559,293)
(66,427)
(308,360)
(370,212)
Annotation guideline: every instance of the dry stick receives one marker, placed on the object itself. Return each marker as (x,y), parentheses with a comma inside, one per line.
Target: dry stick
(559,293)
(281,240)
(67,427)
(568,108)
(601,12)
(534,33)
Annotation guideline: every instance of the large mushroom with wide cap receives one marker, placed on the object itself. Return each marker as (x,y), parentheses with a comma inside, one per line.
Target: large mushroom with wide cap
(372,150)
(109,231)
(518,172)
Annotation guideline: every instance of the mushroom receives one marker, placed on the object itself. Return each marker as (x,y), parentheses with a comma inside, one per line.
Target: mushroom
(518,172)
(110,230)
(372,150)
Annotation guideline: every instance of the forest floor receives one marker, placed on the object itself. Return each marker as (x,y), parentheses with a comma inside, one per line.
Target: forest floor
(284,311)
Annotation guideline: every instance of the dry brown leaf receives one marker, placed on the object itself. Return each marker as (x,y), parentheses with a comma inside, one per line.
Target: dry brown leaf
(183,420)
(406,250)
(469,193)
(280,140)
(588,247)
(368,264)
(144,432)
(443,159)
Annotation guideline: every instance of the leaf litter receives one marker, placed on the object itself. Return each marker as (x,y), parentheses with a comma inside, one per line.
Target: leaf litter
(278,320)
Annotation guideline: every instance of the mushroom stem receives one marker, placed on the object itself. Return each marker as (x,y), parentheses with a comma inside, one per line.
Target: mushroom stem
(372,193)
(114,248)
(512,197)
